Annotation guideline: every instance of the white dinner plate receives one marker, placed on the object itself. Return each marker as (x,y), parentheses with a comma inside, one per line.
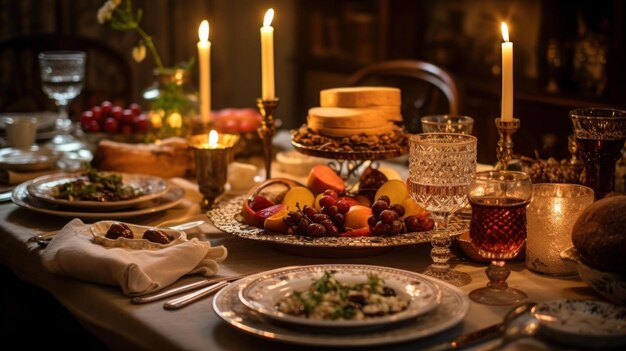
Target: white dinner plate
(152,187)
(585,323)
(264,293)
(171,198)
(34,159)
(452,309)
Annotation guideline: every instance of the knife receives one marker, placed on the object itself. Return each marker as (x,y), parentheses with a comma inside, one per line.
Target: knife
(185,300)
(6,196)
(184,288)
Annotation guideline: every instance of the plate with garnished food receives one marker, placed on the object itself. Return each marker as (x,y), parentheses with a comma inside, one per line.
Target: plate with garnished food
(97,191)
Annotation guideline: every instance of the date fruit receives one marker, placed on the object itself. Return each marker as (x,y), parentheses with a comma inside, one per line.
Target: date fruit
(156,236)
(117,230)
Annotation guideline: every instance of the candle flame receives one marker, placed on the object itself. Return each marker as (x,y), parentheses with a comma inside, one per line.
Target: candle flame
(213,138)
(505,31)
(203,31)
(269,16)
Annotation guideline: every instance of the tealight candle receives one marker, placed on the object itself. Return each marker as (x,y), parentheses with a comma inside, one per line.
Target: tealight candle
(213,153)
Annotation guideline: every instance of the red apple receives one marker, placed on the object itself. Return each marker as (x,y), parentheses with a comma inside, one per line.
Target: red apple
(260,202)
(263,214)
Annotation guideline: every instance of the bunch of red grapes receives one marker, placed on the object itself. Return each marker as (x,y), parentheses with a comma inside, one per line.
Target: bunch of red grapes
(386,219)
(114,119)
(328,222)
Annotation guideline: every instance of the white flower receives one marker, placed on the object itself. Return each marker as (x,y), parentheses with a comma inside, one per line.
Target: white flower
(139,53)
(106,11)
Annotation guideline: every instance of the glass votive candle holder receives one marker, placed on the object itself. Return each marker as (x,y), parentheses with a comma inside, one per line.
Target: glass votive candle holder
(213,153)
(550,218)
(447,124)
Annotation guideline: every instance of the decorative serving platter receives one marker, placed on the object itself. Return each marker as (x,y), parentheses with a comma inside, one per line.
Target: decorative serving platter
(227,217)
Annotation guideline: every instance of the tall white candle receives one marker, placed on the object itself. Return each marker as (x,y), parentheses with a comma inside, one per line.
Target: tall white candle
(267,56)
(507,76)
(204,59)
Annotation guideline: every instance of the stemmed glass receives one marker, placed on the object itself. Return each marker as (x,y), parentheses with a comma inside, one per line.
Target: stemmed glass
(447,124)
(498,229)
(441,168)
(62,75)
(600,135)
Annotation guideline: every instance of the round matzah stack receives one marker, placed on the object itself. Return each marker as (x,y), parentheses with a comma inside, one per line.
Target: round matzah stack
(340,122)
(360,97)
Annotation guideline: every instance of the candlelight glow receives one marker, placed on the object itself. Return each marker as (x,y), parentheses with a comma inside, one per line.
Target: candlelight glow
(213,139)
(269,16)
(505,32)
(203,31)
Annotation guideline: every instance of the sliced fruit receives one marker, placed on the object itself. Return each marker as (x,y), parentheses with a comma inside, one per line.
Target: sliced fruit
(412,208)
(357,217)
(316,203)
(322,178)
(265,213)
(363,200)
(260,202)
(298,197)
(276,223)
(395,189)
(390,173)
(352,201)
(358,232)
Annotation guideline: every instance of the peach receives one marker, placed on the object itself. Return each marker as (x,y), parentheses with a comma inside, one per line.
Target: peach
(395,189)
(298,197)
(265,213)
(322,178)
(357,217)
(275,222)
(412,208)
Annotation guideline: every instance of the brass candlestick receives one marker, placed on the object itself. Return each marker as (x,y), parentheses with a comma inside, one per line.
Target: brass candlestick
(267,130)
(504,151)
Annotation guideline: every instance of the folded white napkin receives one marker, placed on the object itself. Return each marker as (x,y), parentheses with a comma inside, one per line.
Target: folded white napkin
(72,253)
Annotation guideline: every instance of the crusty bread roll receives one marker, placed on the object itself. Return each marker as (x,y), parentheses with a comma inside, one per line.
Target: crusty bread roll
(599,235)
(168,158)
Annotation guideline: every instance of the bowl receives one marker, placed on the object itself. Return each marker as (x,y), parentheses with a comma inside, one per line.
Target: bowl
(297,164)
(609,285)
(99,229)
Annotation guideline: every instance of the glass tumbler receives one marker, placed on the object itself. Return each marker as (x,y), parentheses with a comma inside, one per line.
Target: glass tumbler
(447,124)
(550,218)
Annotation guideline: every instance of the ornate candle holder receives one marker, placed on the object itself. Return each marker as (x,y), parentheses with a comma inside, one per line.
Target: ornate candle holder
(212,159)
(504,151)
(267,130)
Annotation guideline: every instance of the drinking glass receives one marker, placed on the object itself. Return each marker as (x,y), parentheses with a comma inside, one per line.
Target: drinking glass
(447,124)
(62,75)
(441,168)
(498,229)
(600,134)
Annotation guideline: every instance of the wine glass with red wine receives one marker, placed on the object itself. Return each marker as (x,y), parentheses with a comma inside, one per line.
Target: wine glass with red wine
(600,135)
(498,229)
(441,168)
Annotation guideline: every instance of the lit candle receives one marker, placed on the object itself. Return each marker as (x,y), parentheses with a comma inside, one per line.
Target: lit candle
(507,76)
(213,138)
(267,56)
(204,58)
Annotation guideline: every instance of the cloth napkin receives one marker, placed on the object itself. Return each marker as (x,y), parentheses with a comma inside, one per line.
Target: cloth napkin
(72,253)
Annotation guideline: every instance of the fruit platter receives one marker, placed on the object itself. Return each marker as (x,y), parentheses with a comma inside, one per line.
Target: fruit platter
(324,219)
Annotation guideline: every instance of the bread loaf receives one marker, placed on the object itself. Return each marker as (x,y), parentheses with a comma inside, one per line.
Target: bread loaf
(360,97)
(599,235)
(168,158)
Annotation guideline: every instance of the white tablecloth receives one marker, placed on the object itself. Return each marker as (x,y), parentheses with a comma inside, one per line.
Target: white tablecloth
(120,325)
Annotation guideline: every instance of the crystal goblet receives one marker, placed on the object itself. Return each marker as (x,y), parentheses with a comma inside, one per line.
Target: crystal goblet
(447,124)
(441,167)
(600,135)
(498,229)
(62,76)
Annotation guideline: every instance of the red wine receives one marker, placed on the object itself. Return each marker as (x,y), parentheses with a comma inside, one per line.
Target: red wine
(600,157)
(498,227)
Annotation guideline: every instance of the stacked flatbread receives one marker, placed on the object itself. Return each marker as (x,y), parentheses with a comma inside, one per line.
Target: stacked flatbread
(355,110)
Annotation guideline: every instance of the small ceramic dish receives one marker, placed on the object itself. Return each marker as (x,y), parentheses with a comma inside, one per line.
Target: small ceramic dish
(99,230)
(611,286)
(585,323)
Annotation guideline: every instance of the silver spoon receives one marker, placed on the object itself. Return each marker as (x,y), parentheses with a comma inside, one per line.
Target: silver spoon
(518,323)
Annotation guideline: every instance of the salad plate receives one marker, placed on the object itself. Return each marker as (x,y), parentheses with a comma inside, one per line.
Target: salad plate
(226,216)
(392,288)
(142,187)
(450,312)
(171,198)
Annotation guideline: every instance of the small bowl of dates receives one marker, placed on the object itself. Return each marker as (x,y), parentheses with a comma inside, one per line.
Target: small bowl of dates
(135,237)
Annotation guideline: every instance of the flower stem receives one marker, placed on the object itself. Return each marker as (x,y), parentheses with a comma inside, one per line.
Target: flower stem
(150,44)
